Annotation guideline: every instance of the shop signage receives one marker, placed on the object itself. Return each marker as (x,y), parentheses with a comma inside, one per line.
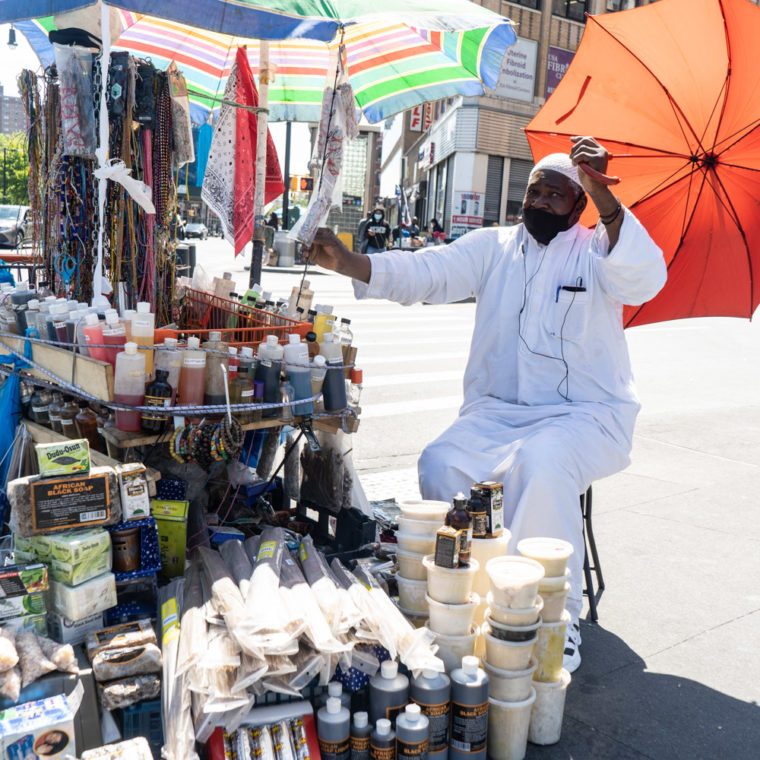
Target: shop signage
(556,67)
(415,119)
(467,213)
(518,72)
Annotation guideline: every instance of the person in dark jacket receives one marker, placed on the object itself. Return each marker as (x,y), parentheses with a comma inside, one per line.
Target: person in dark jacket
(377,233)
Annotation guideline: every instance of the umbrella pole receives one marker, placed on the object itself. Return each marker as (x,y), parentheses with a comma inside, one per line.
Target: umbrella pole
(261,165)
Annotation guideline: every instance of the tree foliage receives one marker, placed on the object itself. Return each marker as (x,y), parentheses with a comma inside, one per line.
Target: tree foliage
(14,169)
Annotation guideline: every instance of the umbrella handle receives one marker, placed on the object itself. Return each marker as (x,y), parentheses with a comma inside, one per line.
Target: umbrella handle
(598,176)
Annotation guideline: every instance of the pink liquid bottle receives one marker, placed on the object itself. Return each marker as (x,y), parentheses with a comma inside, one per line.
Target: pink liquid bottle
(93,335)
(129,386)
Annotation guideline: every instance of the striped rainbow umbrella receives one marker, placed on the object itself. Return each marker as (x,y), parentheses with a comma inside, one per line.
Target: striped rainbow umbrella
(396,59)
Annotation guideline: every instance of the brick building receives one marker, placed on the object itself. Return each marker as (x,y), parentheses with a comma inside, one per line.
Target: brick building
(12,117)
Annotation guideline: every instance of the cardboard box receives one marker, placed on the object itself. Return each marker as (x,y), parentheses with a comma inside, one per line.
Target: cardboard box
(18,580)
(68,631)
(36,623)
(171,518)
(43,728)
(63,458)
(135,501)
(85,600)
(19,606)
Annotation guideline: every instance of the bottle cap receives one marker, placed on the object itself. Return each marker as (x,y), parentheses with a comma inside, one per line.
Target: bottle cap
(430,674)
(129,313)
(50,299)
(227,276)
(130,348)
(112,318)
(170,343)
(383,727)
(361,719)
(73,314)
(215,336)
(319,361)
(312,312)
(82,307)
(33,303)
(345,321)
(193,342)
(413,712)
(162,374)
(460,500)
(272,340)
(333,705)
(247,352)
(232,350)
(357,376)
(470,665)
(299,311)
(91,319)
(143,307)
(334,689)
(311,337)
(294,339)
(388,668)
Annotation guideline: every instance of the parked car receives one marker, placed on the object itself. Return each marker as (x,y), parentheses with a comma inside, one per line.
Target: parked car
(196,230)
(14,221)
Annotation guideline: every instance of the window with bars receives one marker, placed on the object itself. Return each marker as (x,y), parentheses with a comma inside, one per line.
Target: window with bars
(572,9)
(623,5)
(534,4)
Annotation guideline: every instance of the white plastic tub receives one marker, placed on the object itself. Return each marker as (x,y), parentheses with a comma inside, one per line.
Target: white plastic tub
(510,685)
(420,528)
(512,632)
(452,619)
(410,565)
(450,585)
(508,724)
(484,550)
(410,542)
(411,594)
(548,710)
(512,616)
(451,649)
(420,509)
(552,553)
(554,583)
(514,581)
(554,604)
(550,649)
(507,655)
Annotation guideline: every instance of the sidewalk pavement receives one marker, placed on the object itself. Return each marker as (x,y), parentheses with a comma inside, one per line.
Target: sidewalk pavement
(672,668)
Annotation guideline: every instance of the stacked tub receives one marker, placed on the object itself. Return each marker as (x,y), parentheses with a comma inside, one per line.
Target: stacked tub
(417,527)
(510,634)
(550,679)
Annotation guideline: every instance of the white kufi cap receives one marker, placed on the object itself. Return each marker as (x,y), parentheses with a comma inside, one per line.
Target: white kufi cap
(561,163)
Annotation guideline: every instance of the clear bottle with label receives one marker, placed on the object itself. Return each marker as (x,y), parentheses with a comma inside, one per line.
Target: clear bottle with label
(268,367)
(354,387)
(334,387)
(388,692)
(93,334)
(129,386)
(382,741)
(432,692)
(87,426)
(158,393)
(42,315)
(217,356)
(81,339)
(30,315)
(71,327)
(114,334)
(39,407)
(142,333)
(469,711)
(333,731)
(318,372)
(346,339)
(169,359)
(57,324)
(296,356)
(69,411)
(287,395)
(192,374)
(241,385)
(54,412)
(20,299)
(412,734)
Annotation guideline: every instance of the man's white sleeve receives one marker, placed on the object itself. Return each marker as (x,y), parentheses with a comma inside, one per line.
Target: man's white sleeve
(634,271)
(439,274)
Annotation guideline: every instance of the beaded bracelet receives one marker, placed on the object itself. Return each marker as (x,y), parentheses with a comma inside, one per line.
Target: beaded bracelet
(173,444)
(611,218)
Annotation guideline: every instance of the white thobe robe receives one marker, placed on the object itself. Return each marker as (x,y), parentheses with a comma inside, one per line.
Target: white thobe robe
(549,401)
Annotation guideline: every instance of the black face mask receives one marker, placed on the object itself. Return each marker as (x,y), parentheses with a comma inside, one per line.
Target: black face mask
(543,225)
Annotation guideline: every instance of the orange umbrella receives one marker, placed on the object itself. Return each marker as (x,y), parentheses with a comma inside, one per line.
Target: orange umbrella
(672,91)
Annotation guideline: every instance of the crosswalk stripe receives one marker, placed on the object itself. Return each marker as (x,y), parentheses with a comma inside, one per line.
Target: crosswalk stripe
(381,381)
(414,406)
(416,357)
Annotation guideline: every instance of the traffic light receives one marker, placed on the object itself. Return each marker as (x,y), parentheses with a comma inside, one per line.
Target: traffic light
(294,184)
(306,184)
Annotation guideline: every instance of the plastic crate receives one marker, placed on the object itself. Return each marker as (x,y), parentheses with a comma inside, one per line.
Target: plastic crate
(144,719)
(239,323)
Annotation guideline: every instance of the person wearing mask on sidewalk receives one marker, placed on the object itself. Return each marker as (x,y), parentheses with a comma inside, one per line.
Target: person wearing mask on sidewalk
(549,402)
(377,232)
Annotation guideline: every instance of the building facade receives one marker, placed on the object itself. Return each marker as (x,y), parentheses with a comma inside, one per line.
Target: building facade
(12,116)
(465,161)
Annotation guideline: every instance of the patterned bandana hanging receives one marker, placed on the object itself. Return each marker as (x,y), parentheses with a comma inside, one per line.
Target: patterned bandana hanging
(228,185)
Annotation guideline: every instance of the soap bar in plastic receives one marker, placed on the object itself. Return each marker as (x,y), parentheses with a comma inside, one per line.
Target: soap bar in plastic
(77,602)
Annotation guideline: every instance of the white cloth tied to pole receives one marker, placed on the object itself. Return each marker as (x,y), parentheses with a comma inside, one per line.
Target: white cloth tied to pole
(117,171)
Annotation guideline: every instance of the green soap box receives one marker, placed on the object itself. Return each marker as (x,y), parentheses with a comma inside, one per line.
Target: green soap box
(16,606)
(66,458)
(72,546)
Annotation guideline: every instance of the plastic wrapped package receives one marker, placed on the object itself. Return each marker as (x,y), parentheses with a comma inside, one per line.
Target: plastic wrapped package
(193,628)
(10,684)
(86,599)
(61,655)
(74,65)
(130,749)
(182,132)
(32,661)
(251,546)
(128,691)
(299,596)
(251,670)
(8,653)
(238,563)
(282,741)
(274,630)
(125,635)
(122,662)
(280,685)
(308,664)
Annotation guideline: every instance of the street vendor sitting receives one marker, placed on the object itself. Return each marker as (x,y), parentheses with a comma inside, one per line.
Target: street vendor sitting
(549,402)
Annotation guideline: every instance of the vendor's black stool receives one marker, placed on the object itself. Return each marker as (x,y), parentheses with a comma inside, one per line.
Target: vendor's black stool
(590,544)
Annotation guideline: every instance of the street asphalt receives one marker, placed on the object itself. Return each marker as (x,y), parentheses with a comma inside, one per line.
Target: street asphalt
(672,669)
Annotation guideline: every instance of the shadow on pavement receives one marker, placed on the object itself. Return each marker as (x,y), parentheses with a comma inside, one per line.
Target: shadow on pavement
(617,710)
